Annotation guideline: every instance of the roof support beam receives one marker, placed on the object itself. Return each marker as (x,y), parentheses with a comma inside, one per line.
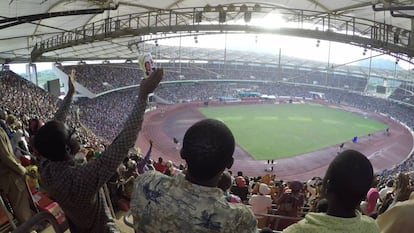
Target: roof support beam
(149,8)
(174,3)
(10,22)
(316,2)
(376,35)
(352,7)
(375,44)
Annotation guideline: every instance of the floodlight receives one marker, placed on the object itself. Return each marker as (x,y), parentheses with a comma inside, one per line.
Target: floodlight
(222,17)
(231,7)
(247,16)
(244,8)
(257,8)
(198,16)
(207,8)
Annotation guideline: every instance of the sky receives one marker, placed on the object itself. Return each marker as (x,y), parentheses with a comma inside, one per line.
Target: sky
(21,68)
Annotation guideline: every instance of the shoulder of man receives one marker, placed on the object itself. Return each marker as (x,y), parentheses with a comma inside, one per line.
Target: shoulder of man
(371,225)
(246,220)
(148,177)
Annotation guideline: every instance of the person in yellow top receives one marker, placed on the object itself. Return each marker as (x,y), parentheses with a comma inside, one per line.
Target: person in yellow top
(12,180)
(346,182)
(399,216)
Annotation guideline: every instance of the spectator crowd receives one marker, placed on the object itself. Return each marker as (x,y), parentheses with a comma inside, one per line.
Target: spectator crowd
(203,195)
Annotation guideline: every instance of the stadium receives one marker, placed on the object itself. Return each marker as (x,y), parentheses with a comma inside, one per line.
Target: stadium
(291,115)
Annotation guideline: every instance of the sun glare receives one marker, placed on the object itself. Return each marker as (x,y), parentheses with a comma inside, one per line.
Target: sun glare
(270,21)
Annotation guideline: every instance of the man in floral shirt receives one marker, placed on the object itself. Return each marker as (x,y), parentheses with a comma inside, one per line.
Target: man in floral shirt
(192,202)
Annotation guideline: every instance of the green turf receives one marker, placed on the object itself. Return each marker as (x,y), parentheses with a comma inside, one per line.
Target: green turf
(277,131)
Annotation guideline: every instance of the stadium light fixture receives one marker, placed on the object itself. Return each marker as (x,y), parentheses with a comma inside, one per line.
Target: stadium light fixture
(222,16)
(231,7)
(244,8)
(247,16)
(207,8)
(198,17)
(257,8)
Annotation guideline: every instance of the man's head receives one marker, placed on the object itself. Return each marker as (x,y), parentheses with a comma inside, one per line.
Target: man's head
(3,114)
(390,183)
(224,182)
(296,186)
(348,179)
(55,141)
(34,125)
(208,148)
(10,119)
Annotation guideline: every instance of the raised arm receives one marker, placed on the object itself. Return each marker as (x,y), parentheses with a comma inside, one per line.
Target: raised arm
(101,170)
(402,189)
(63,110)
(144,161)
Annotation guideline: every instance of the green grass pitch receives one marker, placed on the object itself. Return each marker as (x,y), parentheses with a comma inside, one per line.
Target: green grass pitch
(278,131)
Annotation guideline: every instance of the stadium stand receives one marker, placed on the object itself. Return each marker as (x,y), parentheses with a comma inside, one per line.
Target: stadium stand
(25,100)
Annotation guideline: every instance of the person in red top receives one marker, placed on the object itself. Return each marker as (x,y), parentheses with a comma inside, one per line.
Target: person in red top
(160,165)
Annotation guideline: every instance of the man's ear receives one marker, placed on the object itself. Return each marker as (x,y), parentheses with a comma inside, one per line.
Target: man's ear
(182,154)
(326,188)
(67,149)
(230,163)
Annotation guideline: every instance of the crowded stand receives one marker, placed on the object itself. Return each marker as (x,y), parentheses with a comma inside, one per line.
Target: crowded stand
(24,100)
(244,204)
(404,94)
(94,112)
(103,77)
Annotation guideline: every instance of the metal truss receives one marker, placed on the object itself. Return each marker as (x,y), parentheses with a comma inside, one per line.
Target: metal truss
(152,25)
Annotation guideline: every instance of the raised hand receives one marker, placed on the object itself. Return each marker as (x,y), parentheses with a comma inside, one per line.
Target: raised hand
(402,187)
(149,84)
(71,82)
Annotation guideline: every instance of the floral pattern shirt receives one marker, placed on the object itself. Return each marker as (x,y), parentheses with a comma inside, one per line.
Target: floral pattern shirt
(161,203)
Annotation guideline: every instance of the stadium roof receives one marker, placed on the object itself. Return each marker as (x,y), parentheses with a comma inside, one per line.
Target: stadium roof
(53,30)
